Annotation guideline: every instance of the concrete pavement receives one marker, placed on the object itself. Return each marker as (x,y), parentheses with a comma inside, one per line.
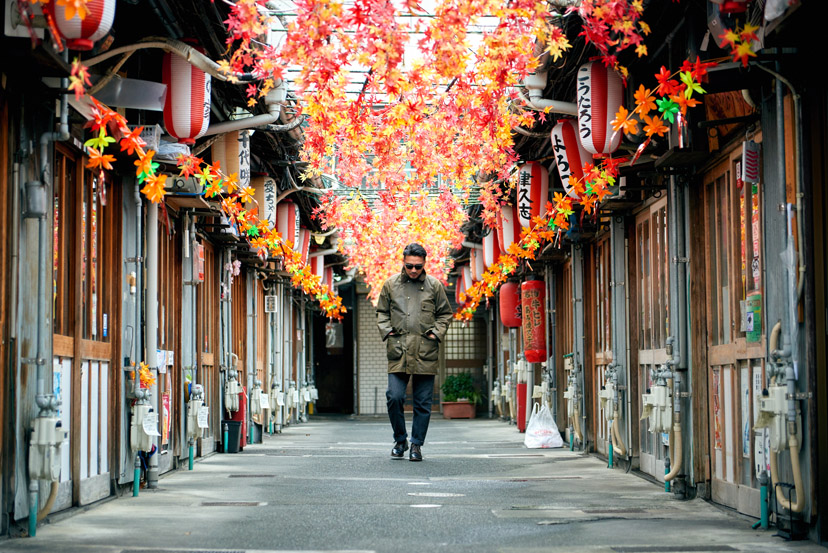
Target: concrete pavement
(330,485)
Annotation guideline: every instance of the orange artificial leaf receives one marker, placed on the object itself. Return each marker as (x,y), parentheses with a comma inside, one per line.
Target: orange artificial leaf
(97,159)
(154,187)
(73,7)
(654,126)
(643,100)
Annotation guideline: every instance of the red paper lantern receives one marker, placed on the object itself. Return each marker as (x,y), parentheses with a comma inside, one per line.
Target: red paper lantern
(510,308)
(600,93)
(464,282)
(287,221)
(491,249)
(570,155)
(532,299)
(81,34)
(532,192)
(327,278)
(508,227)
(187,107)
(476,263)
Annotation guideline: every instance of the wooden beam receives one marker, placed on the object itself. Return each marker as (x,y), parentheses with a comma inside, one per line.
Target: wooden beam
(698,344)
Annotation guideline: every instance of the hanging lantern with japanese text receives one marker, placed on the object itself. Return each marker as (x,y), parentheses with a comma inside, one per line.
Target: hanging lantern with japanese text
(81,34)
(266,192)
(570,155)
(232,150)
(600,92)
(532,299)
(187,107)
(510,308)
(532,193)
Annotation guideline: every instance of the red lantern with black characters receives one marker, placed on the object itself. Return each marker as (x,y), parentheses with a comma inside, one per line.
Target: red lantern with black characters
(600,92)
(532,299)
(510,308)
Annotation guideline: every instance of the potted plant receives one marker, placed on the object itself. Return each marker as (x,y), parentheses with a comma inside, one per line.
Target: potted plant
(459,396)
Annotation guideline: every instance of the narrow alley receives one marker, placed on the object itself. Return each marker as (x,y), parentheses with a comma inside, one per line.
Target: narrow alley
(330,485)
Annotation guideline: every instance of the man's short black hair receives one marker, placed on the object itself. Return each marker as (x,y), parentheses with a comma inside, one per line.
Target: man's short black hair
(415,250)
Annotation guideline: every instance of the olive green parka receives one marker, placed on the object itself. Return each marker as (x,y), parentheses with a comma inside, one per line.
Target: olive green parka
(411,309)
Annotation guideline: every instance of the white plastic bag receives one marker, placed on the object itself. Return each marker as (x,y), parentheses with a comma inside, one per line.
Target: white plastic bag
(542,432)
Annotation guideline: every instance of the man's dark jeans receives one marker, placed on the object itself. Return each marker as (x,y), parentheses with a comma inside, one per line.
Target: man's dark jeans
(422,391)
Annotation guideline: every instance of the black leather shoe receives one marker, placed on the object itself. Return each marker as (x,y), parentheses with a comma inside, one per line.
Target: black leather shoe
(399,449)
(416,454)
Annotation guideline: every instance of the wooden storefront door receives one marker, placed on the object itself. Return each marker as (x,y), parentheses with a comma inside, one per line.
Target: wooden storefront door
(651,292)
(86,271)
(599,334)
(735,333)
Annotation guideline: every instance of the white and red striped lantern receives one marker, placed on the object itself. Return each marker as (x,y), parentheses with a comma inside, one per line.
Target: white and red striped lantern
(317,263)
(570,155)
(327,277)
(187,107)
(532,192)
(491,249)
(600,93)
(508,227)
(287,221)
(302,245)
(476,262)
(464,282)
(81,34)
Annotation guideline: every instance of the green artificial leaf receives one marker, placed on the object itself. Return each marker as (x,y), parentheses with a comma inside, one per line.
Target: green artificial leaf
(669,108)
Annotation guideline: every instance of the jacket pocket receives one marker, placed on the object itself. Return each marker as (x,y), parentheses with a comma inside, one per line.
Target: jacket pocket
(427,315)
(393,347)
(429,349)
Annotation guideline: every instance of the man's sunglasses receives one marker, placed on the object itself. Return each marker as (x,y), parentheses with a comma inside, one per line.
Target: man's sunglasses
(415,266)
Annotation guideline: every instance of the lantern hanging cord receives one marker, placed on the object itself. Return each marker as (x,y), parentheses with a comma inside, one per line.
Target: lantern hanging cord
(190,54)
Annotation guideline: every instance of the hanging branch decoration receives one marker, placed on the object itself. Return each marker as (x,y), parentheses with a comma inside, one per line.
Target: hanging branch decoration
(589,190)
(238,205)
(740,41)
(440,112)
(387,225)
(674,97)
(612,26)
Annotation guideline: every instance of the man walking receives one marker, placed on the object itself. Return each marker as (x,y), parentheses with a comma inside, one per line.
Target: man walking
(413,314)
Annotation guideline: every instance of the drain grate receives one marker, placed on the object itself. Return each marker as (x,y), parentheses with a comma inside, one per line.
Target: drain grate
(232,503)
(544,478)
(672,548)
(183,551)
(251,476)
(612,511)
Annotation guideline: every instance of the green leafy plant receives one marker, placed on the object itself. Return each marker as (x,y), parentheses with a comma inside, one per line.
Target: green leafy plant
(459,387)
